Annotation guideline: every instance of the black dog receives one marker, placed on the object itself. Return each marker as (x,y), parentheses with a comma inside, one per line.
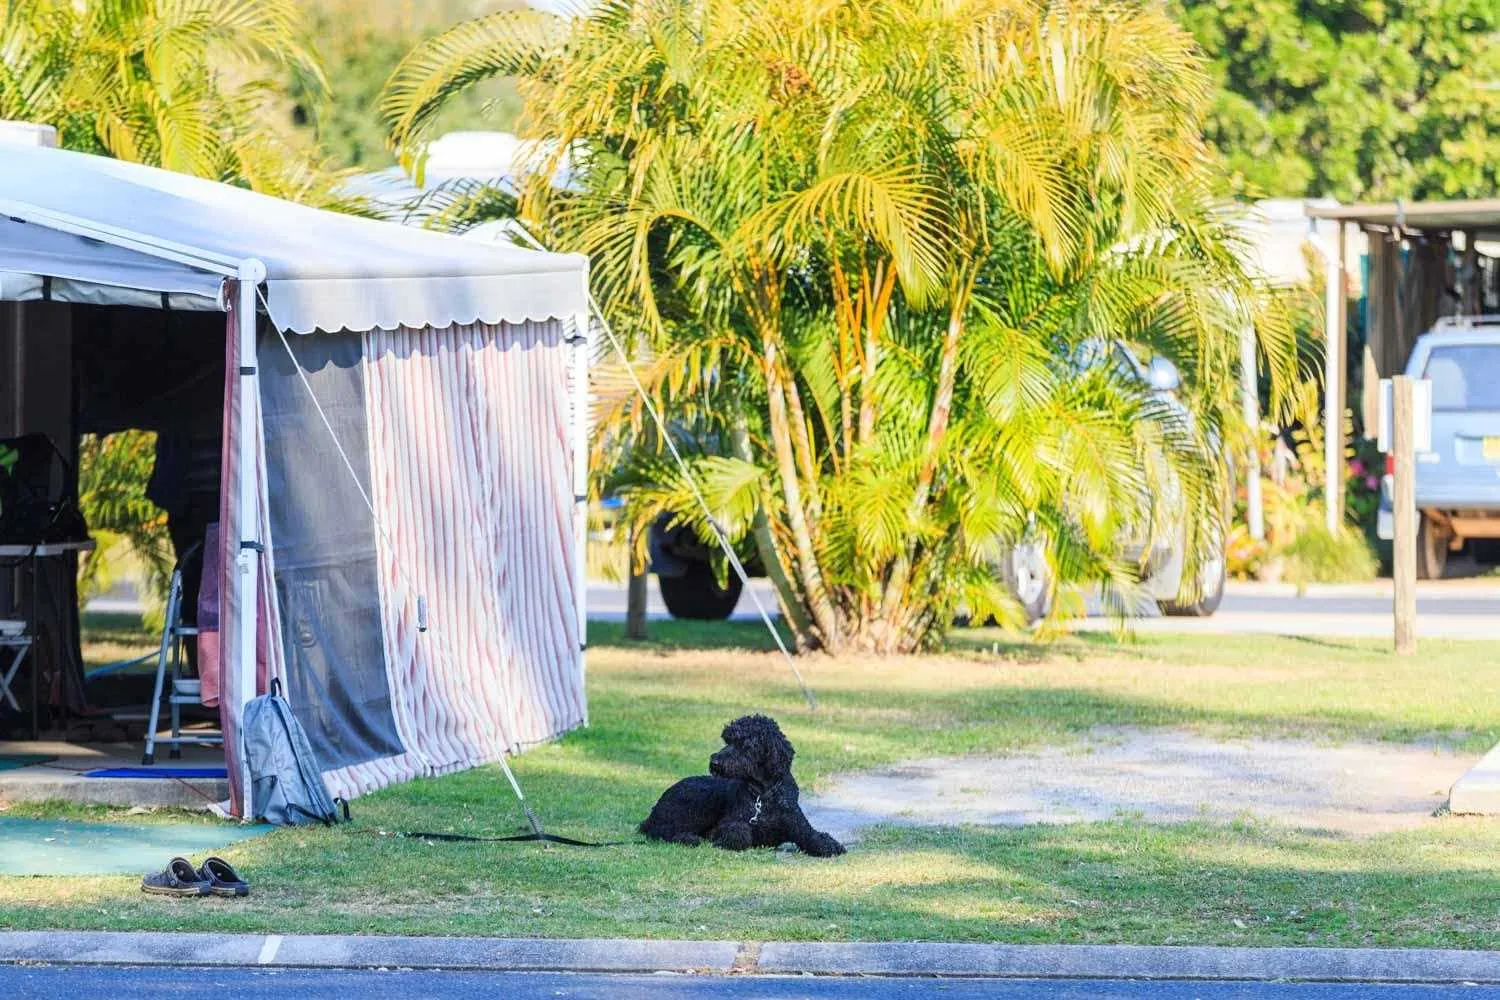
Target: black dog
(748,799)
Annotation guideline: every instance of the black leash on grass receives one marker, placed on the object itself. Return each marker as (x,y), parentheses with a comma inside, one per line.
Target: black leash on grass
(537,835)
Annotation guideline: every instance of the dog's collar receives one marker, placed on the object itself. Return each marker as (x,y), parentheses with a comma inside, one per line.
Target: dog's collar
(755,815)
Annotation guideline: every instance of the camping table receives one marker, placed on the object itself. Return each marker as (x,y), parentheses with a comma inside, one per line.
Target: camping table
(33,555)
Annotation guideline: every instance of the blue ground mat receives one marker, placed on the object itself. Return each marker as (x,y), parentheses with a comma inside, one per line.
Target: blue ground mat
(158,772)
(65,847)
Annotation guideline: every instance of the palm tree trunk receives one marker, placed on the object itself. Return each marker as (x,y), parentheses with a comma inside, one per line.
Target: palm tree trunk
(792,605)
(819,607)
(875,315)
(802,444)
(937,430)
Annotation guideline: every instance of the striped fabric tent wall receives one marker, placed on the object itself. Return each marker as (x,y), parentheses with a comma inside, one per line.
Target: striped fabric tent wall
(419,544)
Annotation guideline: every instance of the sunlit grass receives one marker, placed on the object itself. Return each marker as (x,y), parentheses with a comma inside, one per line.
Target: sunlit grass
(656,713)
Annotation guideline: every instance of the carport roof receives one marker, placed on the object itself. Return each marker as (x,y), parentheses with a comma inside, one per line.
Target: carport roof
(1480,215)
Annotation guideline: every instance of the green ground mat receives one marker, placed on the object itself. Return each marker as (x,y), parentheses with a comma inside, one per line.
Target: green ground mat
(16,761)
(64,847)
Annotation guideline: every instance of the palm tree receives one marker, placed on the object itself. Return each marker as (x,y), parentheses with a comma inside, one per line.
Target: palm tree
(181,84)
(858,242)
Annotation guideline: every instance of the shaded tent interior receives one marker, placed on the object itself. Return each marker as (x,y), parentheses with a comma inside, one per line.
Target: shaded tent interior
(76,369)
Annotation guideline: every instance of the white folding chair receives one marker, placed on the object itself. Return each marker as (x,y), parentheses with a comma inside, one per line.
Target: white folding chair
(13,637)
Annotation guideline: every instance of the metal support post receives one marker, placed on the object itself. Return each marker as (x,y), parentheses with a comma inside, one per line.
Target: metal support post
(247,514)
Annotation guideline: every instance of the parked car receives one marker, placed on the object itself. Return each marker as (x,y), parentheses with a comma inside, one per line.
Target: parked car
(1025,566)
(1458,481)
(690,588)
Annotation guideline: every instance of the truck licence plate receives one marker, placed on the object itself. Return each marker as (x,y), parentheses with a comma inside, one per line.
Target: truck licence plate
(1492,449)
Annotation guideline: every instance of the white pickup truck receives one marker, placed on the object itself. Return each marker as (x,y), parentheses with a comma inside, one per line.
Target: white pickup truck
(1458,481)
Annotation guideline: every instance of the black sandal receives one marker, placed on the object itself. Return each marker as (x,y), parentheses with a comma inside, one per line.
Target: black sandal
(222,879)
(179,879)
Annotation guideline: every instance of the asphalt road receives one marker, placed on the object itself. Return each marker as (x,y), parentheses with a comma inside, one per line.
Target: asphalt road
(164,983)
(1447,609)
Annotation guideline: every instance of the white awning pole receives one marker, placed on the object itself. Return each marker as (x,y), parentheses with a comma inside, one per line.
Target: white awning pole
(581,344)
(247,516)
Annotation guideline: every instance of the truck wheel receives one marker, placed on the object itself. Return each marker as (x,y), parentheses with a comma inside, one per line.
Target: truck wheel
(1432,549)
(697,595)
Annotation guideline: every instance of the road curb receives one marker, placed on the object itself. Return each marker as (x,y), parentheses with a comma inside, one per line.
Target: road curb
(771,958)
(1134,962)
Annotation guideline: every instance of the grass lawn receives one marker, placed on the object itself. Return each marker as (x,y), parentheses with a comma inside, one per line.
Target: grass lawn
(656,712)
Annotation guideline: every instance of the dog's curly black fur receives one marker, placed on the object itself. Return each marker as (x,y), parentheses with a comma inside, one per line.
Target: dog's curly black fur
(748,798)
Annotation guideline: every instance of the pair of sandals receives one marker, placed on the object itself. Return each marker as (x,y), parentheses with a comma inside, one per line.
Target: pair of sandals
(217,877)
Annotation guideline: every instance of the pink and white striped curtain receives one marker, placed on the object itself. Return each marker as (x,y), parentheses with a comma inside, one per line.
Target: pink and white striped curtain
(470,457)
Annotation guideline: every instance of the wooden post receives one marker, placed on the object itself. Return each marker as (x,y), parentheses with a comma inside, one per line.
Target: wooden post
(1404,501)
(635,596)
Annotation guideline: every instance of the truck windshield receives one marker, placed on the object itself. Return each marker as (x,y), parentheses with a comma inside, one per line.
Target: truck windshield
(1465,377)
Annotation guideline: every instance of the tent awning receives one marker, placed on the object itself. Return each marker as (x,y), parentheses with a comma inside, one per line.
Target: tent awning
(41,263)
(325,271)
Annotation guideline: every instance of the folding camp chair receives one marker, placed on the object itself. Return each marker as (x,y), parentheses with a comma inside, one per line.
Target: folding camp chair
(15,640)
(172,660)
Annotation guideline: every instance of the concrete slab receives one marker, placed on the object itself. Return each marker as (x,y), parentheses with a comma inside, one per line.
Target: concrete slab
(62,780)
(1161,775)
(1477,793)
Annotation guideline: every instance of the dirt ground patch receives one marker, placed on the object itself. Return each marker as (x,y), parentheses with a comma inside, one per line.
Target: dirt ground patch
(1161,776)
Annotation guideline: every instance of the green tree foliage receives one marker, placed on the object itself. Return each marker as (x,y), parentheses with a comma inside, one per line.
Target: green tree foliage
(1357,99)
(112,475)
(184,84)
(858,244)
(359,43)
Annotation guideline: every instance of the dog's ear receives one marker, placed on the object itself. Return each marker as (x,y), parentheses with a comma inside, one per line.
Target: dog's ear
(738,730)
(779,754)
(774,749)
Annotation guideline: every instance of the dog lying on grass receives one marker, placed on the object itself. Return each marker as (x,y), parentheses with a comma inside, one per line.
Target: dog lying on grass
(748,798)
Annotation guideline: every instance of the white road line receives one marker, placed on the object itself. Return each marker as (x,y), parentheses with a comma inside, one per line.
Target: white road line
(269,949)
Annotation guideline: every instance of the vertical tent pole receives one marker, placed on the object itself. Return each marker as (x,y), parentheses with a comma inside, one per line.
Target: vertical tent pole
(580,344)
(247,513)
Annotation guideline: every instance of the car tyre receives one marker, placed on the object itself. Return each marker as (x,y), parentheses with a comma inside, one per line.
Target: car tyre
(696,594)
(1432,549)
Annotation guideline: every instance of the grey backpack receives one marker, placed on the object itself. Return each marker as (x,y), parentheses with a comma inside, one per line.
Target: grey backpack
(286,784)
